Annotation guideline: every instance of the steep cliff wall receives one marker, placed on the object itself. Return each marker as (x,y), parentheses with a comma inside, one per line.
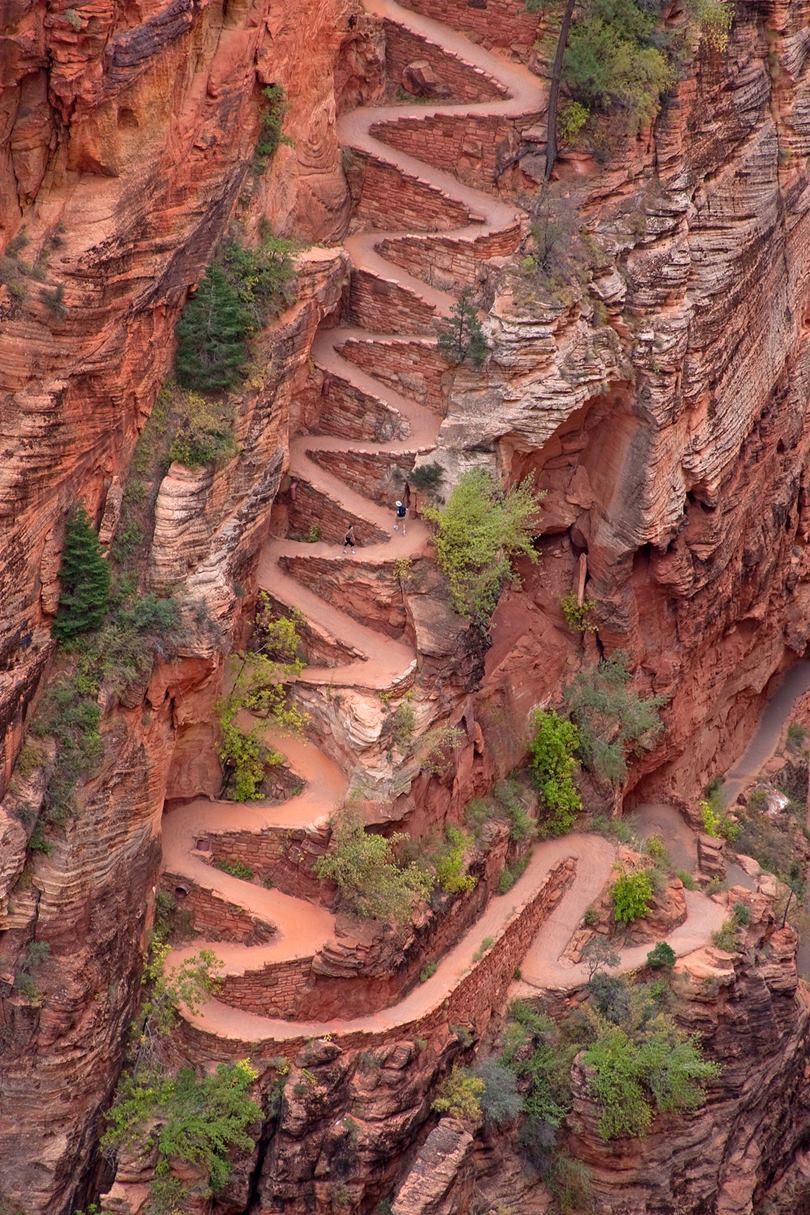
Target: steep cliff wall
(128,137)
(665,413)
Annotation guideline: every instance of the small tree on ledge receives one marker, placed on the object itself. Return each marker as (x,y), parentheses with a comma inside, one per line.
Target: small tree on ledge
(462,337)
(85,579)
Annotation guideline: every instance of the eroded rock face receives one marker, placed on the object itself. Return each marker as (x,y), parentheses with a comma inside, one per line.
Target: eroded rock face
(128,143)
(130,135)
(668,423)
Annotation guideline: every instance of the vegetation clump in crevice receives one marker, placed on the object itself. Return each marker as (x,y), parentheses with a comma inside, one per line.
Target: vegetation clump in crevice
(241,291)
(631,1055)
(481,530)
(271,127)
(184,1117)
(613,721)
(552,759)
(461,338)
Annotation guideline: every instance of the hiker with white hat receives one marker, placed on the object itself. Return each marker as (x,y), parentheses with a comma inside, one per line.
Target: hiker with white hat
(400,514)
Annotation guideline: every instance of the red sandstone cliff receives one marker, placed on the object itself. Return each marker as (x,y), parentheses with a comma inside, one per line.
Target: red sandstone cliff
(674,455)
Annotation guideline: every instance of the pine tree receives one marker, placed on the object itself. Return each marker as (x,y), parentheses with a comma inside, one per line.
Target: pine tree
(85,579)
(463,338)
(212,335)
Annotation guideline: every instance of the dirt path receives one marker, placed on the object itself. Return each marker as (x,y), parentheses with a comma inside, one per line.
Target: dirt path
(766,737)
(382,662)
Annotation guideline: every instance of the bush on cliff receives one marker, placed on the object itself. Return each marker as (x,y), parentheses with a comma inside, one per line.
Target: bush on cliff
(500,1100)
(480,532)
(240,291)
(612,62)
(632,895)
(85,580)
(199,1120)
(261,675)
(552,750)
(462,337)
(460,1095)
(366,872)
(613,721)
(634,1072)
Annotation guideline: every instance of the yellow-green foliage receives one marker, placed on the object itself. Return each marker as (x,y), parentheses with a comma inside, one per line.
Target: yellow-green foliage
(450,868)
(364,868)
(552,751)
(480,532)
(259,687)
(578,615)
(714,19)
(460,1095)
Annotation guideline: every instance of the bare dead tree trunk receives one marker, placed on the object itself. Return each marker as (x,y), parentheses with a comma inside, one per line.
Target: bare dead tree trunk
(554,94)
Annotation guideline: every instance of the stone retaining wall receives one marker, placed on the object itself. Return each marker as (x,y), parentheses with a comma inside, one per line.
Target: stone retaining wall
(471,1002)
(465,82)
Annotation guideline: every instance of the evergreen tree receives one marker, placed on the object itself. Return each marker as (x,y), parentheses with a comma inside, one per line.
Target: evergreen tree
(85,579)
(212,334)
(463,338)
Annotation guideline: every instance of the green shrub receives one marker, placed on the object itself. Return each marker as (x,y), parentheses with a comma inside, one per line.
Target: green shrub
(483,949)
(260,687)
(741,914)
(796,736)
(460,1095)
(661,957)
(481,530)
(570,121)
(461,338)
(500,1100)
(578,615)
(551,759)
(236,869)
(204,437)
(199,1119)
(613,721)
(632,895)
(365,870)
(726,937)
(633,1075)
(402,723)
(535,1052)
(477,814)
(714,19)
(512,873)
(717,824)
(687,878)
(450,868)
(569,1181)
(427,477)
(656,849)
(84,578)
(271,135)
(612,63)
(597,954)
(558,255)
(241,291)
(71,716)
(427,971)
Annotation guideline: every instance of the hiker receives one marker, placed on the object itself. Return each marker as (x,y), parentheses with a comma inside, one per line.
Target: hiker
(400,514)
(348,539)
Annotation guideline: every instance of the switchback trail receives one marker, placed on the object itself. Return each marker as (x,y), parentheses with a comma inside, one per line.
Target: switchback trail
(431,219)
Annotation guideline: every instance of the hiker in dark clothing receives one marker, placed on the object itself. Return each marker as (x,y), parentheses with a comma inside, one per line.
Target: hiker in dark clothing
(348,539)
(400,514)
